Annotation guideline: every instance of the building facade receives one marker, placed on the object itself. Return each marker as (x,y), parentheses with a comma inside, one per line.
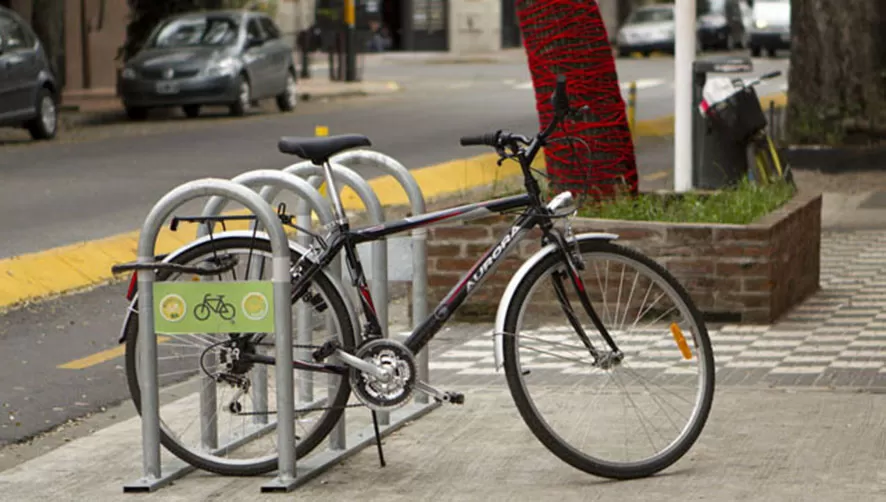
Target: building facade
(94,30)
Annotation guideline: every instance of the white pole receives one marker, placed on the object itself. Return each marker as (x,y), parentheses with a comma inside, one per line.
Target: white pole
(684,53)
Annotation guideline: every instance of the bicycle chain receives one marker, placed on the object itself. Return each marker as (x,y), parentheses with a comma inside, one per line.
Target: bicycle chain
(300,410)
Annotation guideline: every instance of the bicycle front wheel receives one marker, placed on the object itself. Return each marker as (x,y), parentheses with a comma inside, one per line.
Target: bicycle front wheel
(625,419)
(217,412)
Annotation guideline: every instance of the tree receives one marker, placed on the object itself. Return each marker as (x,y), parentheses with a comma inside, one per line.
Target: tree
(837,81)
(48,22)
(594,156)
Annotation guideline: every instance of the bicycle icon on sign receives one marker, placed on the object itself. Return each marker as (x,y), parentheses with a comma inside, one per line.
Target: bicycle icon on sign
(215,304)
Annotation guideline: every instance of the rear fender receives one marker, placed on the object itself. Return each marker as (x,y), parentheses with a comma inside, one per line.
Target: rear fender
(507,297)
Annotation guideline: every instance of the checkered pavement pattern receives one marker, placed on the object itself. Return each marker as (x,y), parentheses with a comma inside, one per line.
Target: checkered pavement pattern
(836,338)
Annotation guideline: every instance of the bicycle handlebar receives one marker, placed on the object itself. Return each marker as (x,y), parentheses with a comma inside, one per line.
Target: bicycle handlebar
(488,139)
(500,139)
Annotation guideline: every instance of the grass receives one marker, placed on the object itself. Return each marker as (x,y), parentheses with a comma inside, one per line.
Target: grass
(740,204)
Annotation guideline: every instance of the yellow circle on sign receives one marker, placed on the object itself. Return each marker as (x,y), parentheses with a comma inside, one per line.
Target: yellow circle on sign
(173,307)
(255,306)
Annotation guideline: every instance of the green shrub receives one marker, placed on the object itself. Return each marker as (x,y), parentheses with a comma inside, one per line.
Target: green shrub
(741,204)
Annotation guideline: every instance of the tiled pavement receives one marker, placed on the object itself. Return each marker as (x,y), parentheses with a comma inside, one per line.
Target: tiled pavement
(837,338)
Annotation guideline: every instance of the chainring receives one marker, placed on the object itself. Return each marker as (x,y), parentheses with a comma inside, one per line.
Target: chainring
(378,395)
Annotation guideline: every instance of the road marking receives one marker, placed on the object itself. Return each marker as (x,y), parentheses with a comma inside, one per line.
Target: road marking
(643,83)
(100,357)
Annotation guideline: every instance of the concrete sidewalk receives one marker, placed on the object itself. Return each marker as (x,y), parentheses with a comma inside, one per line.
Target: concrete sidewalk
(759,445)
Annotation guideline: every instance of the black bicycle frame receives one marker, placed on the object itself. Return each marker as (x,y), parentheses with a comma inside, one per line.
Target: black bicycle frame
(532,216)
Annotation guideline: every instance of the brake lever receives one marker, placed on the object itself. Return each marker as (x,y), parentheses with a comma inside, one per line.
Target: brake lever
(579,113)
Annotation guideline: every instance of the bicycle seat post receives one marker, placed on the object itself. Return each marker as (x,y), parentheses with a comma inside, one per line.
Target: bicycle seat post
(340,217)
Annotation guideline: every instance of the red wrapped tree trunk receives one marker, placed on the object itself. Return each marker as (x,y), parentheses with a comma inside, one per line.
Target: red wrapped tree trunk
(595,155)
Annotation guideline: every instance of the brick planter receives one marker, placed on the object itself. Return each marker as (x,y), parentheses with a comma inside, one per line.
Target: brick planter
(735,273)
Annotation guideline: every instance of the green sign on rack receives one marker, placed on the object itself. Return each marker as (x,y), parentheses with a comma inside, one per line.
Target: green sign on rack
(213,307)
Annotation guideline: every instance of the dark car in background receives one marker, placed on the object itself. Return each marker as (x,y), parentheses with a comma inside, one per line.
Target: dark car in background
(232,58)
(28,90)
(721,24)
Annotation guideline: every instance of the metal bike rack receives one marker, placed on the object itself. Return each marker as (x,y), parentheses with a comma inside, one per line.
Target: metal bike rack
(419,240)
(153,477)
(379,263)
(307,193)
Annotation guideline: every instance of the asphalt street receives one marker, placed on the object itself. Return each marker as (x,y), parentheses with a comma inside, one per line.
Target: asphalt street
(57,194)
(54,194)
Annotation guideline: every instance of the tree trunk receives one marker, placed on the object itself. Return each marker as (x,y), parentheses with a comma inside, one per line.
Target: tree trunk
(48,22)
(594,156)
(837,81)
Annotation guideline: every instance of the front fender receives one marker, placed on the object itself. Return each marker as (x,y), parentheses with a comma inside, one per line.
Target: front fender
(293,246)
(508,296)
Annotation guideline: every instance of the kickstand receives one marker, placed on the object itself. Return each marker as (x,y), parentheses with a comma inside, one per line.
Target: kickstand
(381,454)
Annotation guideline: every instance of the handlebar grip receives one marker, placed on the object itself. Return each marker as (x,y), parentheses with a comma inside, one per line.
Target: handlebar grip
(772,74)
(488,139)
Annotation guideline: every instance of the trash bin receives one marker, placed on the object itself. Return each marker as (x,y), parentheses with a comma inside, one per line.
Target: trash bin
(719,156)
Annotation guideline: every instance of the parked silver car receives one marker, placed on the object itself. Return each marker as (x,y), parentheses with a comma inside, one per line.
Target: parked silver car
(647,29)
(28,89)
(232,58)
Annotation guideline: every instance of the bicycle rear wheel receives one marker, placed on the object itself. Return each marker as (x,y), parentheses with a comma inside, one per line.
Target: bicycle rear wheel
(242,440)
(664,384)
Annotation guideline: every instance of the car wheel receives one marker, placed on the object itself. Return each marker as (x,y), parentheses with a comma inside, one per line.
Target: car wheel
(136,112)
(755,52)
(289,98)
(192,111)
(45,124)
(771,52)
(244,97)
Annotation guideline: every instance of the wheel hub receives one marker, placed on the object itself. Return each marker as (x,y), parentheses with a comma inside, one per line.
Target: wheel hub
(396,388)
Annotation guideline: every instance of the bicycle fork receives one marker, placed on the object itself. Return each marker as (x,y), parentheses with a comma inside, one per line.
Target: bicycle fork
(574,264)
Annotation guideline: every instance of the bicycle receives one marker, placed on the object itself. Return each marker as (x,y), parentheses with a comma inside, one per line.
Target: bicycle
(763,156)
(672,342)
(214,304)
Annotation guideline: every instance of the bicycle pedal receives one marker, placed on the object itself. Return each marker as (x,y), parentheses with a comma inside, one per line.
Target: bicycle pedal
(454,397)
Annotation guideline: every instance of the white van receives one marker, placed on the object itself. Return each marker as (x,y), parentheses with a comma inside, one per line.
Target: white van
(771,28)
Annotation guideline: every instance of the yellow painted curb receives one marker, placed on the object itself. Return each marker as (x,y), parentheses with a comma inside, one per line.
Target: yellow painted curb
(81,265)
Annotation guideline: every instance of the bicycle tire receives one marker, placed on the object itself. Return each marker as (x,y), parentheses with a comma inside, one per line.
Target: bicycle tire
(306,444)
(537,424)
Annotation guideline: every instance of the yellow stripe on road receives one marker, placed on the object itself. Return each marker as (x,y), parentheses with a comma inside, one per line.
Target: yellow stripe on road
(100,357)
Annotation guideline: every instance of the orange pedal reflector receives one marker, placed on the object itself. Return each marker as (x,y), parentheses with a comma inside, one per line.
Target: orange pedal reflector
(681,341)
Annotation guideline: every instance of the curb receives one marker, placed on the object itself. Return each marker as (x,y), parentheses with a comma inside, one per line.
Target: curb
(72,115)
(83,265)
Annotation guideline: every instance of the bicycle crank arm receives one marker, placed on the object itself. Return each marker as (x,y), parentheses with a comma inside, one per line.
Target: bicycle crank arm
(368,368)
(446,397)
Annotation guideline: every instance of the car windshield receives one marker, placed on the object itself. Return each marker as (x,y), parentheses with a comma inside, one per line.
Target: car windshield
(652,16)
(193,32)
